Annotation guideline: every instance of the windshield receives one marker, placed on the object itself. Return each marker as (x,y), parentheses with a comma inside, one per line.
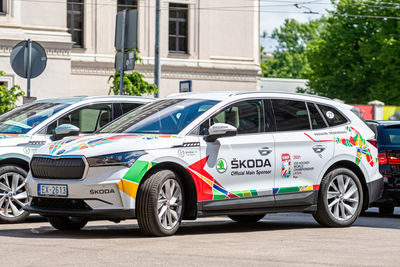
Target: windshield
(392,136)
(22,119)
(168,116)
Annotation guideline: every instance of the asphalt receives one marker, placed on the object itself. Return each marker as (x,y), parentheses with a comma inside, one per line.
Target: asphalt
(288,239)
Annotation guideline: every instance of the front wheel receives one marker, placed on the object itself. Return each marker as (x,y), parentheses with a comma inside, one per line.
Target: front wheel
(68,223)
(160,204)
(247,218)
(340,199)
(13,194)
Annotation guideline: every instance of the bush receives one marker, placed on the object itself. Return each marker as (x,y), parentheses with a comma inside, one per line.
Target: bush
(9,97)
(134,83)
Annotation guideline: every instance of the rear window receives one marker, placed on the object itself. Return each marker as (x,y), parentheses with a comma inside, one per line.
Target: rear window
(332,116)
(391,136)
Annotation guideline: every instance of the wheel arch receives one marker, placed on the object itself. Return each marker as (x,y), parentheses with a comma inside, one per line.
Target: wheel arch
(190,211)
(22,163)
(357,170)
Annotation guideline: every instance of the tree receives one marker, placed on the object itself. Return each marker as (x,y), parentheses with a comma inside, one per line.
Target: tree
(290,60)
(134,83)
(9,97)
(357,58)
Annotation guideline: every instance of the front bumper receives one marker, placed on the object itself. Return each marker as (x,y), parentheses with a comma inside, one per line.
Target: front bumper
(105,214)
(99,196)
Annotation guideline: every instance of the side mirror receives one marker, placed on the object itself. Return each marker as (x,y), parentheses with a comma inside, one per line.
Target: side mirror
(218,130)
(65,130)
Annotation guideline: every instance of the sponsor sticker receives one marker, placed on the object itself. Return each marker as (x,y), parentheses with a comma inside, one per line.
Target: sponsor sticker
(286,165)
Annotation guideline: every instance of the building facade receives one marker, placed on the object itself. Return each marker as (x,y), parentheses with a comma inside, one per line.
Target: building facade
(214,44)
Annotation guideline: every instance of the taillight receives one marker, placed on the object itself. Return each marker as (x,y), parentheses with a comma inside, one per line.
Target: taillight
(373,142)
(394,160)
(382,158)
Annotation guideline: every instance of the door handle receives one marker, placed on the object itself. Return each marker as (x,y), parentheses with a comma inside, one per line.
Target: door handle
(319,148)
(264,151)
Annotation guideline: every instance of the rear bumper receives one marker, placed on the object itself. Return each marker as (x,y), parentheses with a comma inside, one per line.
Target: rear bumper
(375,190)
(391,192)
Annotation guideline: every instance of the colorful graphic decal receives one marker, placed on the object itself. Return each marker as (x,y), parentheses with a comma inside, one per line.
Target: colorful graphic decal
(355,140)
(129,184)
(210,189)
(3,136)
(101,141)
(359,142)
(286,165)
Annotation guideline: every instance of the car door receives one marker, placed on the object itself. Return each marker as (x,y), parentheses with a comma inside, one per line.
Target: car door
(238,167)
(303,145)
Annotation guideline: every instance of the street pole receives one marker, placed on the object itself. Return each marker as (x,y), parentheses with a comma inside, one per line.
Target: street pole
(121,76)
(28,71)
(157,65)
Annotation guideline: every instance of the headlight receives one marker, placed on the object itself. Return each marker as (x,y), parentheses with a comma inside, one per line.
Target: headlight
(118,159)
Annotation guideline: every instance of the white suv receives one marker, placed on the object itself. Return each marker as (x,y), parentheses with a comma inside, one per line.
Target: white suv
(241,154)
(26,128)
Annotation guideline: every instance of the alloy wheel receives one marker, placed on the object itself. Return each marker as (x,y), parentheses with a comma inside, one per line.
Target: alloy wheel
(169,204)
(13,195)
(343,197)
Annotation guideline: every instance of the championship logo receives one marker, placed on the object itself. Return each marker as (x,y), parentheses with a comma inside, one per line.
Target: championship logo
(221,165)
(286,165)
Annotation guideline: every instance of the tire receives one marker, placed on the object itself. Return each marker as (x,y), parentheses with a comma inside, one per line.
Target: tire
(252,218)
(13,194)
(342,206)
(386,210)
(159,213)
(68,223)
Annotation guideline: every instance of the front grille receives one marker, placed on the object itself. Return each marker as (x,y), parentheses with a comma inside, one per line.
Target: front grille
(59,203)
(62,168)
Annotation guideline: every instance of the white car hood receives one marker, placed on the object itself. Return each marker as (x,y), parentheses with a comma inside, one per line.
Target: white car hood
(13,139)
(102,144)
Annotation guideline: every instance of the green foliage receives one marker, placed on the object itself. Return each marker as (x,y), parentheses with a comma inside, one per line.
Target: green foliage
(8,97)
(290,60)
(357,58)
(134,83)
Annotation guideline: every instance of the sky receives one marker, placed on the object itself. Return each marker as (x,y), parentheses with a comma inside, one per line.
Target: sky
(274,12)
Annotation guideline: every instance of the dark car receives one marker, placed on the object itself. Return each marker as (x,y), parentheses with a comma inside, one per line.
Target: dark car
(388,141)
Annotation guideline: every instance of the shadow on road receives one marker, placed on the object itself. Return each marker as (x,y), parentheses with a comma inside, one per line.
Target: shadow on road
(272,222)
(109,231)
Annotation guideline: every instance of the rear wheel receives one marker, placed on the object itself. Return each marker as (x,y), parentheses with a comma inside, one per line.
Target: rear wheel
(386,210)
(13,194)
(340,199)
(160,204)
(68,223)
(247,218)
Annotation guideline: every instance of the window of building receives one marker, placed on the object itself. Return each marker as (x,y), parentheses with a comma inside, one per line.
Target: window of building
(332,116)
(2,6)
(290,115)
(178,28)
(75,21)
(126,4)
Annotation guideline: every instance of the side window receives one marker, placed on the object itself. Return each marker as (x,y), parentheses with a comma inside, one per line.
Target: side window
(246,116)
(290,115)
(317,122)
(89,119)
(332,116)
(126,107)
